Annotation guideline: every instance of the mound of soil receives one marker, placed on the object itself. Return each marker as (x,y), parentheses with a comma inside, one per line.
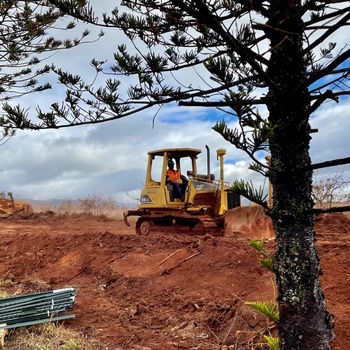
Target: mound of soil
(165,290)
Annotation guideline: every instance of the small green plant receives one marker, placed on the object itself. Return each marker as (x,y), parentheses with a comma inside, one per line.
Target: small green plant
(267,258)
(268,308)
(272,342)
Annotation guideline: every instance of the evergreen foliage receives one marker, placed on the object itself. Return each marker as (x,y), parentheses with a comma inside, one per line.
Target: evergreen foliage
(28,41)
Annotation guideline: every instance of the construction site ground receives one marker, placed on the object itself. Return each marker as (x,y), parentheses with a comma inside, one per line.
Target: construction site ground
(166,290)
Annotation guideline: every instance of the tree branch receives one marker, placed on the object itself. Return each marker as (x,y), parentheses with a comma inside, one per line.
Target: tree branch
(330,31)
(343,209)
(329,163)
(329,68)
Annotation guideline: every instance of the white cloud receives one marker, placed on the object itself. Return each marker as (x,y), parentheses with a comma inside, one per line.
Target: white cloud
(332,140)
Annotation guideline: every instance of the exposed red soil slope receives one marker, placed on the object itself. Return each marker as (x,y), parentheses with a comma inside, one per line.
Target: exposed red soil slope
(165,290)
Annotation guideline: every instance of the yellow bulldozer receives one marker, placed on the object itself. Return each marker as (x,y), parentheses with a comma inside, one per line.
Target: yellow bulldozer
(10,207)
(200,205)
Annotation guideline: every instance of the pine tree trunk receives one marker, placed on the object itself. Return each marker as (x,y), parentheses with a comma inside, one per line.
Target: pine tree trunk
(304,320)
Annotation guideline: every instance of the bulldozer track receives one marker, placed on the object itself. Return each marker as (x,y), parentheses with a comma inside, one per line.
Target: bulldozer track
(199,225)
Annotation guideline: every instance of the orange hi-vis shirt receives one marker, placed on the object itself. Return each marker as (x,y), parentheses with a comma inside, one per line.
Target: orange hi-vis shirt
(174,176)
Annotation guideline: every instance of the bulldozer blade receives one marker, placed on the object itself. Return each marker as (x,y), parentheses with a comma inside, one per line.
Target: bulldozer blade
(250,221)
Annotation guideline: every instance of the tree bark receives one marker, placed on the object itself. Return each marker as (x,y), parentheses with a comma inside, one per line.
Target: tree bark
(304,320)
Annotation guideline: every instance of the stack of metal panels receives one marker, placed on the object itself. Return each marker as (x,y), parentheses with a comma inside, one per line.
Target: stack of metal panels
(30,309)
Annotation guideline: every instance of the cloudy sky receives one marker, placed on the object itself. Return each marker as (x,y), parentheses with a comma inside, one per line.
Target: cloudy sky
(110,159)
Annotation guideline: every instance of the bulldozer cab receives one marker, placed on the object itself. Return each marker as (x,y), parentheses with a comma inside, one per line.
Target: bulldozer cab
(158,190)
(198,192)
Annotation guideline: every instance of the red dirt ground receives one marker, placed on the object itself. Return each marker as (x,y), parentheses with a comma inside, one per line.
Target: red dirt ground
(130,297)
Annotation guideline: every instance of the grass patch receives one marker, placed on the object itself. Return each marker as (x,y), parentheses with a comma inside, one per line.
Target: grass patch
(49,336)
(5,282)
(3,295)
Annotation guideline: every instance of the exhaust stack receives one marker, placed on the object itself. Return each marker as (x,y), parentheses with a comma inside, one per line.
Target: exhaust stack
(208,162)
(223,205)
